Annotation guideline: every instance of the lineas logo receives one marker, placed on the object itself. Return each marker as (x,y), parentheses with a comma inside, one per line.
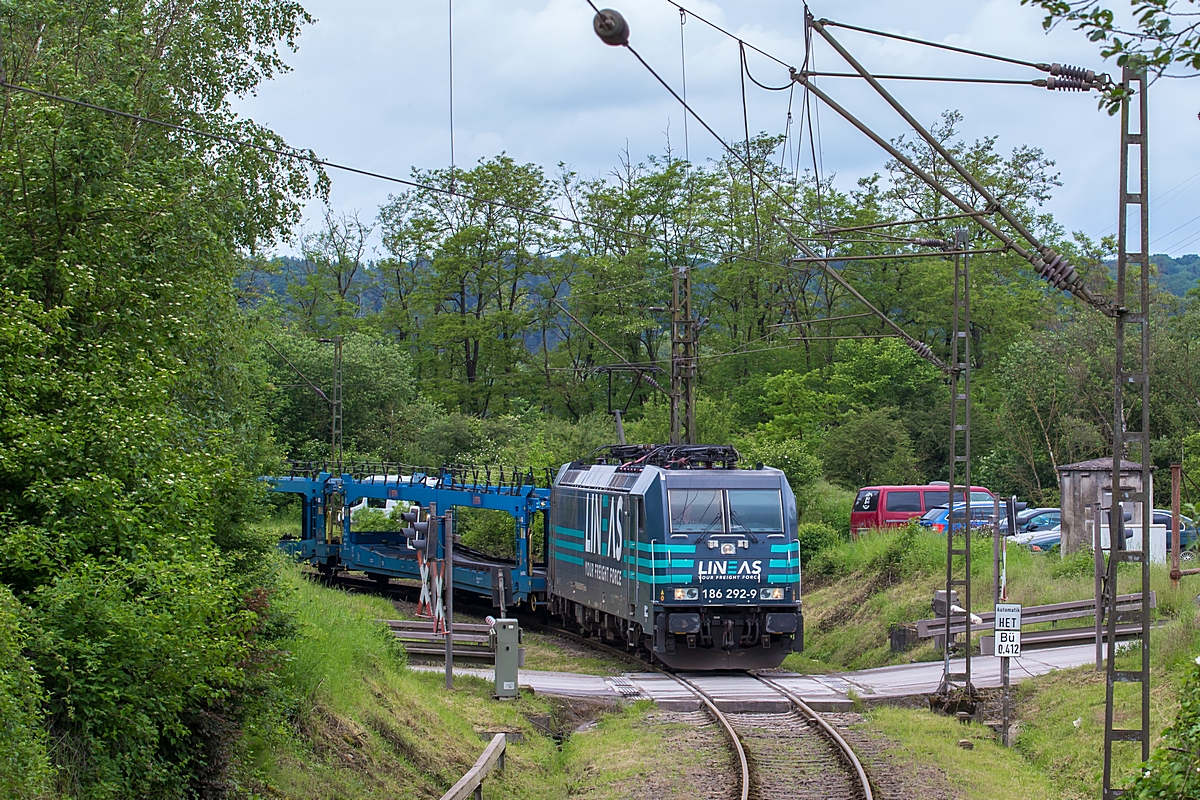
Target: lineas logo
(729,569)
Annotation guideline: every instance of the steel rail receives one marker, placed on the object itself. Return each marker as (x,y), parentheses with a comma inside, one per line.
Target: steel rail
(716,713)
(843,746)
(725,723)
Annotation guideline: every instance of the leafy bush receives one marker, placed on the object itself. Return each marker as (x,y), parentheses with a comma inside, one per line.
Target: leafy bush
(815,537)
(824,502)
(24,764)
(789,455)
(492,532)
(869,447)
(1173,771)
(375,519)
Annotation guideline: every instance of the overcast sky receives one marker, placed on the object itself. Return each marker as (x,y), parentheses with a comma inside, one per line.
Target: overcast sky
(370,83)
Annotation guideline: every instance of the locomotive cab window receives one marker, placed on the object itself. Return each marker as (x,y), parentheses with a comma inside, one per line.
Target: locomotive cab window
(755,511)
(696,511)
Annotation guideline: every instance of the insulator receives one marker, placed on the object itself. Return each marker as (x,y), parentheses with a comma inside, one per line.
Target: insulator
(940,244)
(611,27)
(1057,270)
(1067,84)
(920,348)
(1086,75)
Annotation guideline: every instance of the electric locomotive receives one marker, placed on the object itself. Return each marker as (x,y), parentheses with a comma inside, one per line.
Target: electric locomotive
(674,551)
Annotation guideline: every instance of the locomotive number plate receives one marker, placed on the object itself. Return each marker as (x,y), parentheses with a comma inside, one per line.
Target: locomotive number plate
(728,594)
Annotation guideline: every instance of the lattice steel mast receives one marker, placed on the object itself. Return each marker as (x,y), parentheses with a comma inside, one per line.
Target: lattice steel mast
(959,371)
(1132,368)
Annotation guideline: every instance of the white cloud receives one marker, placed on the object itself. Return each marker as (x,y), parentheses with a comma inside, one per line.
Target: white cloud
(369,88)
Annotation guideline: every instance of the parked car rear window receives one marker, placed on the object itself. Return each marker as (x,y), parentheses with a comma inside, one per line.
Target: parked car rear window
(867,500)
(937,498)
(935,512)
(903,501)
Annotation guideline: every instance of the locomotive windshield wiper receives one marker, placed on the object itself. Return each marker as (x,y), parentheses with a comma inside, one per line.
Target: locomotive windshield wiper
(733,523)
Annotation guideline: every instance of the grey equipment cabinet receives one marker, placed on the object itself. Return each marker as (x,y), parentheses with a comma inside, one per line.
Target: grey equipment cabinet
(510,656)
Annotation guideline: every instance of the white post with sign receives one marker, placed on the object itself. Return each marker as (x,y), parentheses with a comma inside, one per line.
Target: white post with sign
(1008,645)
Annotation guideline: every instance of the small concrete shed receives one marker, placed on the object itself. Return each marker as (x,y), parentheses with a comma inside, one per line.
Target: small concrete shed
(1086,494)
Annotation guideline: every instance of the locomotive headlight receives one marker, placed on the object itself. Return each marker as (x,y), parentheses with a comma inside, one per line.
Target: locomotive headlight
(728,549)
(687,594)
(771,593)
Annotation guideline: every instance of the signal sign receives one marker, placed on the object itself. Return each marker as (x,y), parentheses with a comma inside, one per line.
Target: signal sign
(1008,630)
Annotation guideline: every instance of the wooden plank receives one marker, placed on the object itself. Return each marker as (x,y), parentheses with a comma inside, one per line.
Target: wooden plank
(483,766)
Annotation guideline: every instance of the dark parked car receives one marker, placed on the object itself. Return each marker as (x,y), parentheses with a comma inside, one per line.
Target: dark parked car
(1026,516)
(1043,542)
(1188,535)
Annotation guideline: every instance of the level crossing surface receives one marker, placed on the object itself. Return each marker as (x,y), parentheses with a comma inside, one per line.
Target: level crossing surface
(741,693)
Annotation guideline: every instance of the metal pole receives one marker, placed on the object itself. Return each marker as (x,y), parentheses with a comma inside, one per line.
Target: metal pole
(683,362)
(1006,711)
(1001,595)
(1176,477)
(448,545)
(1098,553)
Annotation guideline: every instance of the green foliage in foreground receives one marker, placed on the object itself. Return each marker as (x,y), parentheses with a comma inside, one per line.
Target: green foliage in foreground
(353,721)
(130,430)
(1173,770)
(985,772)
(24,763)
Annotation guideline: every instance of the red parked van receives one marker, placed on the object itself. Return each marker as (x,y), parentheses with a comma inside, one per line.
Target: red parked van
(880,506)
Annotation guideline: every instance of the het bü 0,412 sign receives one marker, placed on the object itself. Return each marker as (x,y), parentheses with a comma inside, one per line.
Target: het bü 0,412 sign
(1008,630)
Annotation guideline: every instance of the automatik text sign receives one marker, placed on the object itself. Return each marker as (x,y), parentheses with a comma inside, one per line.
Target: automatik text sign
(1008,630)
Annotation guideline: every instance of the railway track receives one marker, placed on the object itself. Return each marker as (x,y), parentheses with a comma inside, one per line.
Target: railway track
(792,755)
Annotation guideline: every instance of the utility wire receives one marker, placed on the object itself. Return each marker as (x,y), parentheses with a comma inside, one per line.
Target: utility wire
(937,45)
(450,26)
(938,78)
(746,68)
(717,27)
(683,74)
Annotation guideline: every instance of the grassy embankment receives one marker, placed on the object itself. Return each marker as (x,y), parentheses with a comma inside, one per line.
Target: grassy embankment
(356,723)
(856,590)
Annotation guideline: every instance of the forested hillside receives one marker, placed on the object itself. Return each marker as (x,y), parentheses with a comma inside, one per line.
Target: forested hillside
(491,323)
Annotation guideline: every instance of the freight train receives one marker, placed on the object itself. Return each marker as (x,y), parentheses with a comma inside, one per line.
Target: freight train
(670,550)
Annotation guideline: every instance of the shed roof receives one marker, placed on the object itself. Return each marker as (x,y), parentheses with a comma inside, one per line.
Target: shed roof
(1099,464)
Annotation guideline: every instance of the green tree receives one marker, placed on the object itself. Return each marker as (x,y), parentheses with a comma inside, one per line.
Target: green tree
(464,266)
(1161,34)
(129,432)
(869,448)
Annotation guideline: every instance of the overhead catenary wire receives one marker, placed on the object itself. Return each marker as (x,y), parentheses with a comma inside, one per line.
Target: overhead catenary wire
(919,347)
(716,27)
(938,45)
(934,78)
